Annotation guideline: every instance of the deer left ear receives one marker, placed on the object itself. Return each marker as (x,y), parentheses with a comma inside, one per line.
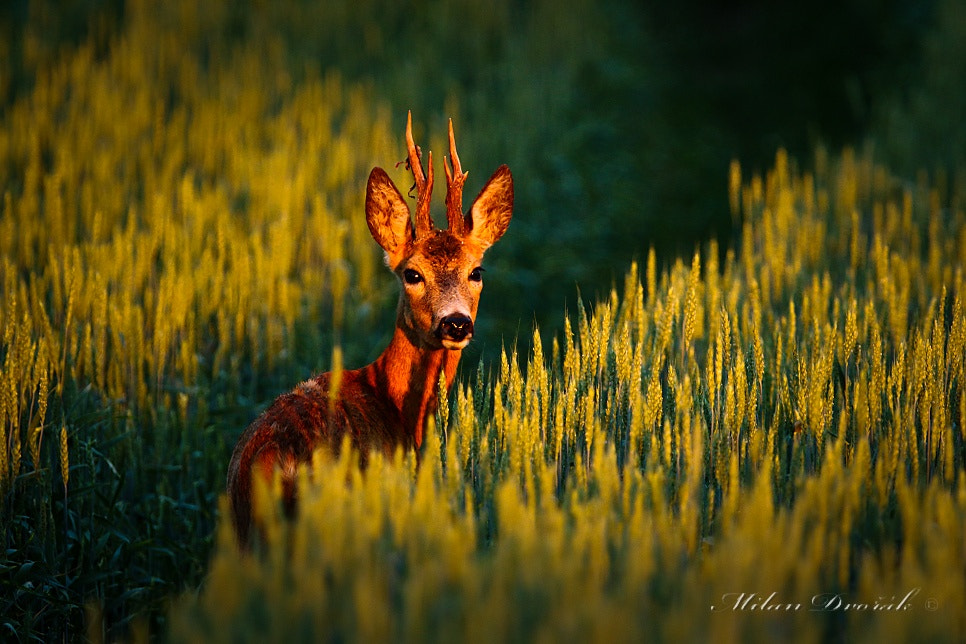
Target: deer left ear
(491,211)
(388,216)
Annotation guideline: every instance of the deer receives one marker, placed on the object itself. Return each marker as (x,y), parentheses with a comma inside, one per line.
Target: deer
(384,406)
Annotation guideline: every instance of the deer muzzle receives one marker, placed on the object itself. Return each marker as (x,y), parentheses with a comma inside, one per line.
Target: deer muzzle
(455,331)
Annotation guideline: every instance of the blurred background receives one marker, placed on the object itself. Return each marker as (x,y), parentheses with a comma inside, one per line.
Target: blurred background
(618,119)
(182,234)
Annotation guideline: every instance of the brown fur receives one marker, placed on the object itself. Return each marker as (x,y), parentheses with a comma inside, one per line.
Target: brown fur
(385,405)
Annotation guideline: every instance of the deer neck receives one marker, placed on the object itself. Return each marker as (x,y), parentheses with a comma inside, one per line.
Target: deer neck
(408,373)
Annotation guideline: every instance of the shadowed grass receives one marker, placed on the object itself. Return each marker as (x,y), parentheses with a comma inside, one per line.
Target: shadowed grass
(181,238)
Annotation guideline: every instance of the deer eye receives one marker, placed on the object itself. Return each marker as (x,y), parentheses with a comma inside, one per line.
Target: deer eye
(476,275)
(412,277)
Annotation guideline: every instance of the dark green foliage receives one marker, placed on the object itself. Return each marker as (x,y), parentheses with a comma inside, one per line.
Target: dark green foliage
(618,121)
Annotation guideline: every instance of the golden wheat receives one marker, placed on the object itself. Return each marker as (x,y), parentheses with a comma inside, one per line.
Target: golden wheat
(685,485)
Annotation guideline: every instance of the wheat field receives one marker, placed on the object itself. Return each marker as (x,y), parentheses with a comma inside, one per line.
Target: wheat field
(762,441)
(766,447)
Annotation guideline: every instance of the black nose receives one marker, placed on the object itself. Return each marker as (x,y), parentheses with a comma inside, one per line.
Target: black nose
(455,327)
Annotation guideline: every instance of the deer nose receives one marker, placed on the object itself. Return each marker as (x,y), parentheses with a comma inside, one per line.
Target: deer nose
(455,328)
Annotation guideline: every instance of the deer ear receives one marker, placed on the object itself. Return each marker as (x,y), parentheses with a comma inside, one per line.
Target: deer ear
(491,211)
(388,216)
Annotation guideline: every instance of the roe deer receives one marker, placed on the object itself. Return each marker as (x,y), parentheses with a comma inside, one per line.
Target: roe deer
(385,404)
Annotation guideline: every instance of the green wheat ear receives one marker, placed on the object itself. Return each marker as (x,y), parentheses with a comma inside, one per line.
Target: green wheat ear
(64,461)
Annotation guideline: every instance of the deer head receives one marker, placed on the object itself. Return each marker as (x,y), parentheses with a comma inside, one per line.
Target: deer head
(439,270)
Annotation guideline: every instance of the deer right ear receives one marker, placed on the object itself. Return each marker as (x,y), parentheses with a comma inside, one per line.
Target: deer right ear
(388,216)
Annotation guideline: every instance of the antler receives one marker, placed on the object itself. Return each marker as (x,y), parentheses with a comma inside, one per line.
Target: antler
(454,187)
(424,183)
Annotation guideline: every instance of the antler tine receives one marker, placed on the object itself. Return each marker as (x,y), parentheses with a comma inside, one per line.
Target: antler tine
(454,187)
(424,183)
(414,154)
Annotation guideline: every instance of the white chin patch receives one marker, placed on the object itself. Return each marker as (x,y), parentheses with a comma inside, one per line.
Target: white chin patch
(452,345)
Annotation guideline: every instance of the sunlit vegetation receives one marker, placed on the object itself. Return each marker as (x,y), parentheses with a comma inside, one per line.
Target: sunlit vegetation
(181,239)
(172,252)
(785,419)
